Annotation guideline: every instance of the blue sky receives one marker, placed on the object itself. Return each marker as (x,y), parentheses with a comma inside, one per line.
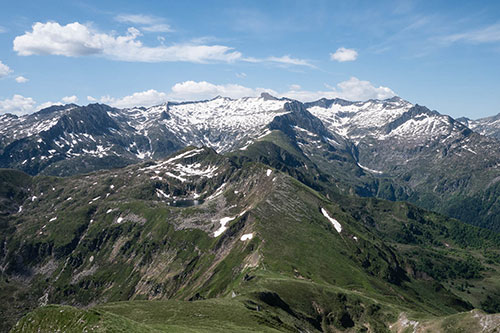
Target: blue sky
(442,54)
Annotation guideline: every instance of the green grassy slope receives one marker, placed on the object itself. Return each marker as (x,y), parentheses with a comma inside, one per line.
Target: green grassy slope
(124,236)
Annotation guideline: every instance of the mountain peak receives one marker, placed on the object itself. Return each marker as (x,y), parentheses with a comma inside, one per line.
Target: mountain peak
(55,108)
(268,97)
(394,99)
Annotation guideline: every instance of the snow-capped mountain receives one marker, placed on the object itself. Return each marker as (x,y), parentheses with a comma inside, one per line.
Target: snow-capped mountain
(387,134)
(391,119)
(489,126)
(220,123)
(354,120)
(72,139)
(393,132)
(66,140)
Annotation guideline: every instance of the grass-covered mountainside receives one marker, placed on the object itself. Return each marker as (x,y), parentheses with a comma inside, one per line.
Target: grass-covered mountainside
(259,240)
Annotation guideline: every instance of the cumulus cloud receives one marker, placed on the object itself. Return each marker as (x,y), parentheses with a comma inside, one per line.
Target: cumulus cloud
(69,99)
(76,39)
(147,22)
(342,54)
(18,105)
(352,89)
(143,98)
(21,79)
(4,70)
(46,105)
(65,100)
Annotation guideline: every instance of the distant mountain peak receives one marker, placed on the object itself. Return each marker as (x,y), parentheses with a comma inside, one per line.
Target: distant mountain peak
(394,99)
(268,97)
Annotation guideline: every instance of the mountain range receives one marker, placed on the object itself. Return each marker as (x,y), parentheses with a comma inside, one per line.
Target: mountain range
(389,149)
(254,214)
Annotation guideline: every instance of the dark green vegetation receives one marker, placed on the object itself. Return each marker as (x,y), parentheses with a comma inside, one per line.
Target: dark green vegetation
(118,242)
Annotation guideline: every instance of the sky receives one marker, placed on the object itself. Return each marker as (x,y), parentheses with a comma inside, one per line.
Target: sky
(441,54)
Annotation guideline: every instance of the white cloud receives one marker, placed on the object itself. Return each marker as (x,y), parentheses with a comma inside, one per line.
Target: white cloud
(148,23)
(69,99)
(65,100)
(21,79)
(157,28)
(488,34)
(287,60)
(2,30)
(355,89)
(4,70)
(295,87)
(342,54)
(143,98)
(137,19)
(46,105)
(18,105)
(352,89)
(75,39)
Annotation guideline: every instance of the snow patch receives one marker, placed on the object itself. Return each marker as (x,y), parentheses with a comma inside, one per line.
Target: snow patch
(370,170)
(94,200)
(189,153)
(161,194)
(218,192)
(246,237)
(268,172)
(335,223)
(223,221)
